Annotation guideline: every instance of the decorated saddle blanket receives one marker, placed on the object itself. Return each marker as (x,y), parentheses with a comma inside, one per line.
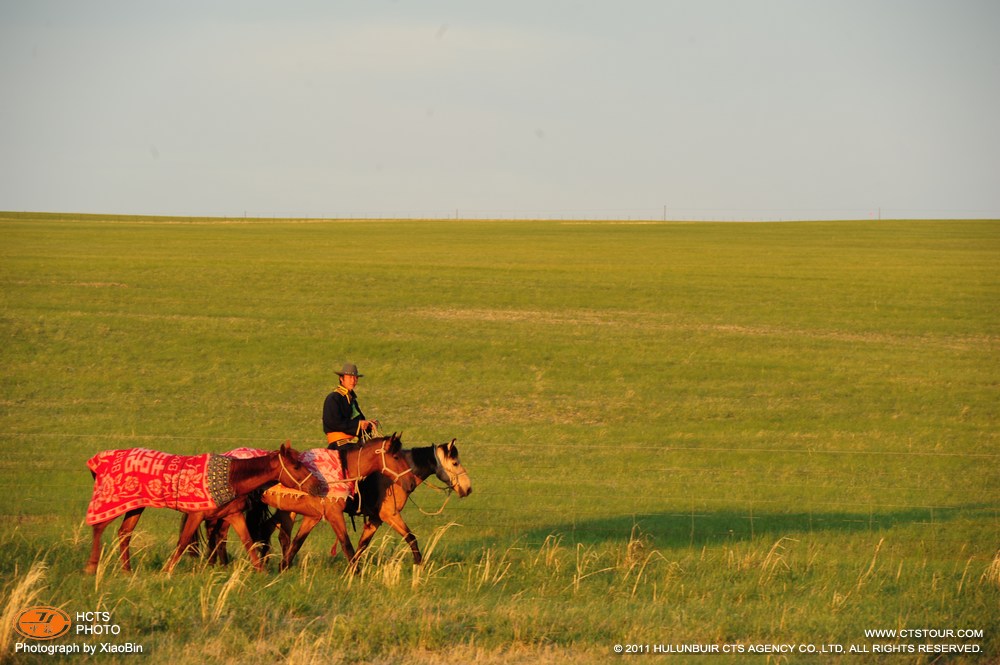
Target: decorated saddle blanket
(141,478)
(325,464)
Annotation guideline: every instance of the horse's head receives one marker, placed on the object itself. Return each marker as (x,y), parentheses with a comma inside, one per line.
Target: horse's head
(450,470)
(293,473)
(394,464)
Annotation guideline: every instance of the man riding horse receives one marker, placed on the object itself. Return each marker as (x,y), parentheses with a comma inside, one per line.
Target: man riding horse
(343,420)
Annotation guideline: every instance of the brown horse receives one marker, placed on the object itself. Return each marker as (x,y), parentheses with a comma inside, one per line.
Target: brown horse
(126,482)
(379,458)
(379,498)
(382,501)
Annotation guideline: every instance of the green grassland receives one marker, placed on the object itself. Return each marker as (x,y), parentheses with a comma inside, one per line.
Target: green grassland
(676,433)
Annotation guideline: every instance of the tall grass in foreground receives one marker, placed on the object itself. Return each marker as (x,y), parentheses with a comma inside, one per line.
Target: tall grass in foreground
(550,602)
(19,593)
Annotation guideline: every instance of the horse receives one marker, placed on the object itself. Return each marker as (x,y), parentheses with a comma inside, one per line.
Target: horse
(378,457)
(382,502)
(379,498)
(207,486)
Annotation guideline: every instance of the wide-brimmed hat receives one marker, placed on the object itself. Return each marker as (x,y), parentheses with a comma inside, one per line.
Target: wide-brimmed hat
(350,369)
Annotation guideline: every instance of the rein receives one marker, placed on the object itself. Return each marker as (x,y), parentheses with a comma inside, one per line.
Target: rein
(396,475)
(448,492)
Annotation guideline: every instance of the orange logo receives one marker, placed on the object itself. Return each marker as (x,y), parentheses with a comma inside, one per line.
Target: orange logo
(42,623)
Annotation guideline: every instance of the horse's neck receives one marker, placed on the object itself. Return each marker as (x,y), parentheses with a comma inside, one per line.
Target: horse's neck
(422,462)
(360,464)
(246,475)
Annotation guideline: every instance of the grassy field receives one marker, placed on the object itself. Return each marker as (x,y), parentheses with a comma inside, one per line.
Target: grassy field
(678,434)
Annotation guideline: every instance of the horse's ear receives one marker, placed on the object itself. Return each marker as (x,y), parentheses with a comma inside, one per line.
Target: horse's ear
(286,448)
(395,443)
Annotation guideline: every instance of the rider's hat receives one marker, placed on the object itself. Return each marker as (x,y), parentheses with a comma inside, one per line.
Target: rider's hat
(350,369)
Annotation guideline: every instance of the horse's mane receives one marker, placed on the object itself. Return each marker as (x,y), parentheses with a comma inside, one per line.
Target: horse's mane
(423,457)
(374,441)
(251,466)
(379,439)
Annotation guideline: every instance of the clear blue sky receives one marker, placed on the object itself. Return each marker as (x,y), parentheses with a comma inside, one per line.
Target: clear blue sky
(712,108)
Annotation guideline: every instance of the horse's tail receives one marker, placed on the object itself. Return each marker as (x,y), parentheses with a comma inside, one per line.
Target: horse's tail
(260,521)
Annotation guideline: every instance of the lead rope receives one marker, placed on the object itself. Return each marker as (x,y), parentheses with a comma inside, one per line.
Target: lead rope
(373,432)
(446,490)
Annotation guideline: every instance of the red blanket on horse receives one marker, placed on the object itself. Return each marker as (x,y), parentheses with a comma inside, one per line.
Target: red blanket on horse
(141,478)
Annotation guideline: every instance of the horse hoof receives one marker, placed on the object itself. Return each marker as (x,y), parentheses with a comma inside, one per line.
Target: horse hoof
(90,569)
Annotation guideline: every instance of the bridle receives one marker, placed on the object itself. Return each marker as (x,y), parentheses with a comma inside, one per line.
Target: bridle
(396,475)
(368,436)
(447,490)
(298,483)
(452,477)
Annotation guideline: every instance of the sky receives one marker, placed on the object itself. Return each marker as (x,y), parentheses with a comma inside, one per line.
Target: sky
(633,109)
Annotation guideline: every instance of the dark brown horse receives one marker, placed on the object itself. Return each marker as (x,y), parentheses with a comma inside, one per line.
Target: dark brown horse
(126,483)
(377,458)
(381,500)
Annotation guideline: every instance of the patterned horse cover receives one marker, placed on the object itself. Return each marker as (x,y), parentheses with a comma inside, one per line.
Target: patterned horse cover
(324,464)
(141,478)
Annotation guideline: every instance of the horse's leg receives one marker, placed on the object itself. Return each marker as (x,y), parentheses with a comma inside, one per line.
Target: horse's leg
(95,548)
(217,532)
(367,533)
(267,529)
(125,536)
(396,522)
(239,523)
(195,549)
(390,512)
(191,524)
(293,548)
(284,522)
(336,519)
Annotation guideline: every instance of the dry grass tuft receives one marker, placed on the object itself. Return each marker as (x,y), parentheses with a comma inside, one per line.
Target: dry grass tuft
(992,574)
(24,594)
